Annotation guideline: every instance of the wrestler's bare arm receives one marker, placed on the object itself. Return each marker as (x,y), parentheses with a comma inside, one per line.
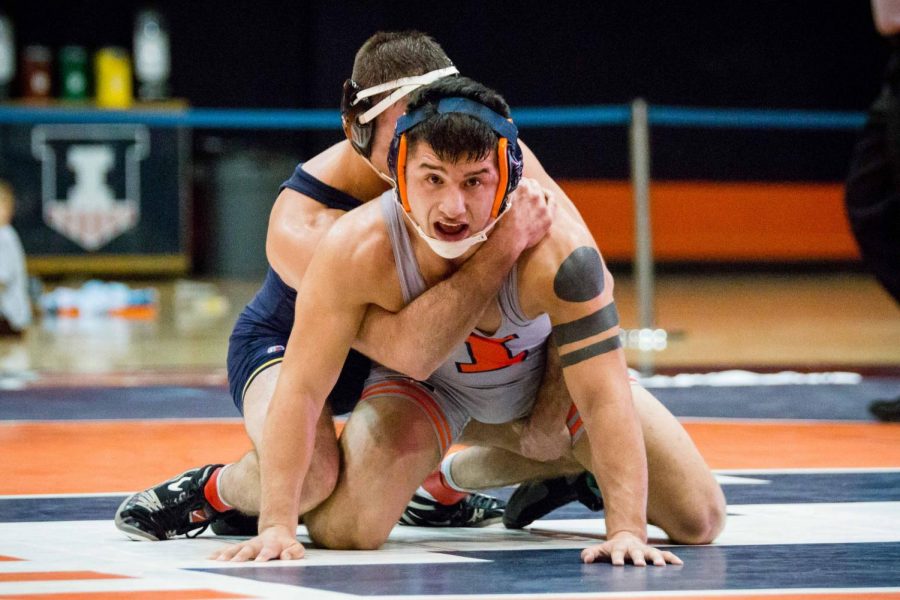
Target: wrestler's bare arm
(341,280)
(566,278)
(296,226)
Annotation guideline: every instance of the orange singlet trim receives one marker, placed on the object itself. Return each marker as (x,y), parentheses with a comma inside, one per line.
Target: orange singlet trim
(575,428)
(419,397)
(440,427)
(426,402)
(573,421)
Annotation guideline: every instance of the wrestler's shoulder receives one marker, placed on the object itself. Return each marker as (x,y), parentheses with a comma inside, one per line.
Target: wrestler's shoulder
(539,267)
(361,235)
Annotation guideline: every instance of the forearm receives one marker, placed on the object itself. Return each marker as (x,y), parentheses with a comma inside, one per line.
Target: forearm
(285,458)
(619,463)
(416,340)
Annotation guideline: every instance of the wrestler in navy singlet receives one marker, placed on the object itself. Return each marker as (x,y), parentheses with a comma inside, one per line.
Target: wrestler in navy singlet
(262,329)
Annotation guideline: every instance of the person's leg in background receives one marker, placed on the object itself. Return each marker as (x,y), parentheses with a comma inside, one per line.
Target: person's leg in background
(872,199)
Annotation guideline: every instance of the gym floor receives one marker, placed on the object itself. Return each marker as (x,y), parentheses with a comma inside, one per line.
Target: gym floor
(91,409)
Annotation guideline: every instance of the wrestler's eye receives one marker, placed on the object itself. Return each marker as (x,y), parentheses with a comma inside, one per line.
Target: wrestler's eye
(473,182)
(433,179)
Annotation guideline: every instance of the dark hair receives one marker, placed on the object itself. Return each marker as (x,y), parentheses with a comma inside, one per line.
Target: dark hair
(454,136)
(390,55)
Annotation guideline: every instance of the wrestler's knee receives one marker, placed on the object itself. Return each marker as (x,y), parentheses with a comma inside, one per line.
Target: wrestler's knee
(703,523)
(346,533)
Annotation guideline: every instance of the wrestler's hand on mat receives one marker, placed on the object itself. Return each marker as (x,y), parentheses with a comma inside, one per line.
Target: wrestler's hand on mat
(530,213)
(275,542)
(624,545)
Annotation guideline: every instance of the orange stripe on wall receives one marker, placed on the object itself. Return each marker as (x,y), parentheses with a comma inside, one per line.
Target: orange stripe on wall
(9,558)
(58,576)
(715,221)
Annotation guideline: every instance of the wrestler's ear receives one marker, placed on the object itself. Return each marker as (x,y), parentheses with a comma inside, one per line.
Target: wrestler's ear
(359,134)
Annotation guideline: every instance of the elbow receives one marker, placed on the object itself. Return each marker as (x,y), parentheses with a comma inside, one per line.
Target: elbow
(407,359)
(422,372)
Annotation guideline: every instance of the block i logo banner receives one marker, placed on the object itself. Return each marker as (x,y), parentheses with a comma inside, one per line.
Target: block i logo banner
(90,179)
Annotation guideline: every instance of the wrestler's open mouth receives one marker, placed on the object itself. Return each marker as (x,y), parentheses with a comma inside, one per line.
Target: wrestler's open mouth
(451,231)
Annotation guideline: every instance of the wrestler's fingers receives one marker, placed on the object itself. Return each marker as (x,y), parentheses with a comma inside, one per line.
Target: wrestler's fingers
(637,557)
(671,558)
(248,552)
(588,555)
(292,553)
(226,553)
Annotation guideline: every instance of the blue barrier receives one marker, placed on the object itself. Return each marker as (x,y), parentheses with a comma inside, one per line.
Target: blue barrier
(669,116)
(548,116)
(197,118)
(570,116)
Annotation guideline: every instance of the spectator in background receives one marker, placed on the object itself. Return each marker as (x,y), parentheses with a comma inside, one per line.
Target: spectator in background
(15,309)
(873,186)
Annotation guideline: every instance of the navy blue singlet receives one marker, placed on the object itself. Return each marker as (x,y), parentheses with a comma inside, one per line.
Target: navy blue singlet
(263,327)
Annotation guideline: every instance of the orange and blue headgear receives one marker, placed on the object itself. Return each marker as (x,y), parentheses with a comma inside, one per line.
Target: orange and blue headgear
(509,153)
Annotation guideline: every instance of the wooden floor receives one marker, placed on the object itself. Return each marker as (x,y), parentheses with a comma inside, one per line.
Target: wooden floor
(92,409)
(755,320)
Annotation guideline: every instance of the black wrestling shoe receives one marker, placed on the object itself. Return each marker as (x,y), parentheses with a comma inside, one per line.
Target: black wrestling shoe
(235,523)
(475,510)
(532,500)
(886,410)
(174,507)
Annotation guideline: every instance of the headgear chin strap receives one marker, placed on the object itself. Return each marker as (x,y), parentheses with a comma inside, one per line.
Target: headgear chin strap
(358,113)
(450,250)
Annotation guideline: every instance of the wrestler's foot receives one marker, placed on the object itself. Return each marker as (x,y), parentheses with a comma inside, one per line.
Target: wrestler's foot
(235,523)
(172,508)
(532,500)
(475,510)
(886,410)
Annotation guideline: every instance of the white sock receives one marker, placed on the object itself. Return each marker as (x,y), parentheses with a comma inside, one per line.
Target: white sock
(219,485)
(446,468)
(423,492)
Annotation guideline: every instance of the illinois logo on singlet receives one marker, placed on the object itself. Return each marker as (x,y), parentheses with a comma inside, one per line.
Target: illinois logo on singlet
(489,354)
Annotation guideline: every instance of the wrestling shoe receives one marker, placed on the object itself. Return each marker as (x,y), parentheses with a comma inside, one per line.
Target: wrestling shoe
(886,410)
(235,523)
(174,507)
(532,500)
(475,510)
